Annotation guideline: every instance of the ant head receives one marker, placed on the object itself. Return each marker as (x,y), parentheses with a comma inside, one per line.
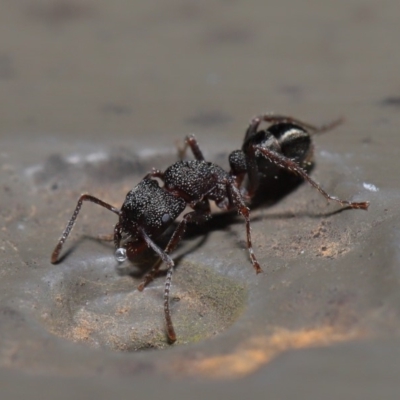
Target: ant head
(150,208)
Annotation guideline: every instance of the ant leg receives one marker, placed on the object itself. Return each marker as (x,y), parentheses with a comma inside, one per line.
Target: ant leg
(191,141)
(194,216)
(151,275)
(237,200)
(197,216)
(276,118)
(329,126)
(289,165)
(170,327)
(170,264)
(67,231)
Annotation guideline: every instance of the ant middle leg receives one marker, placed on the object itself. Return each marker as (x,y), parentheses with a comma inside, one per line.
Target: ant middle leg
(289,165)
(237,201)
(191,141)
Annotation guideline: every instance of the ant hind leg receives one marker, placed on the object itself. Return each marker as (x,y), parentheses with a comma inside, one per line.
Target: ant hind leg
(277,118)
(289,165)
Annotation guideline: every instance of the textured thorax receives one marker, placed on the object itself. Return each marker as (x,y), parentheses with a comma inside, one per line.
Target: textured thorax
(193,179)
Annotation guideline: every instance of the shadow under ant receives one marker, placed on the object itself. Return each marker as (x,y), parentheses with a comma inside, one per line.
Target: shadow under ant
(277,190)
(270,192)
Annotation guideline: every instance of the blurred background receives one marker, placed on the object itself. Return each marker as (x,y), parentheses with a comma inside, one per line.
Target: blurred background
(100,68)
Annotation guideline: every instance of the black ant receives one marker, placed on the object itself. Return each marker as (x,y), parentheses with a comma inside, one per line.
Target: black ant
(150,209)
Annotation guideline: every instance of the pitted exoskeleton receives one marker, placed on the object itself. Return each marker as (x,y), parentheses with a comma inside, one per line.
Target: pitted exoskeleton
(149,209)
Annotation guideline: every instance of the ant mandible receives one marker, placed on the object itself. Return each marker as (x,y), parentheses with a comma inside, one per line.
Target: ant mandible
(149,209)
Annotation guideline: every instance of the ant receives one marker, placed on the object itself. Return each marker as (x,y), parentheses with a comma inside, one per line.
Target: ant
(150,209)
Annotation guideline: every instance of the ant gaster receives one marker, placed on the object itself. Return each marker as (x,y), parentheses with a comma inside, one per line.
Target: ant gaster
(286,144)
(150,209)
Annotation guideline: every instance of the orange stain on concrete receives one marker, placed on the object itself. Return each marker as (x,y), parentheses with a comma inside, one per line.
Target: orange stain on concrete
(260,350)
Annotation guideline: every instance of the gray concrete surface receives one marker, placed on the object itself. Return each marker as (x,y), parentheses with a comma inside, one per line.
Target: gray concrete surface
(95,93)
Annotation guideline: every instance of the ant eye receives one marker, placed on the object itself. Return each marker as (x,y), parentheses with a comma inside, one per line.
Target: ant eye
(165,218)
(120,254)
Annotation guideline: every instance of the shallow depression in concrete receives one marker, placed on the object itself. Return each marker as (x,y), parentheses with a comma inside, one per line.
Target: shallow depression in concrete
(91,303)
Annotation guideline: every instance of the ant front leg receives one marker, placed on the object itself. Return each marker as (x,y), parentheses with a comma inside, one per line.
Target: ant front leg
(197,216)
(194,216)
(289,165)
(67,231)
(170,264)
